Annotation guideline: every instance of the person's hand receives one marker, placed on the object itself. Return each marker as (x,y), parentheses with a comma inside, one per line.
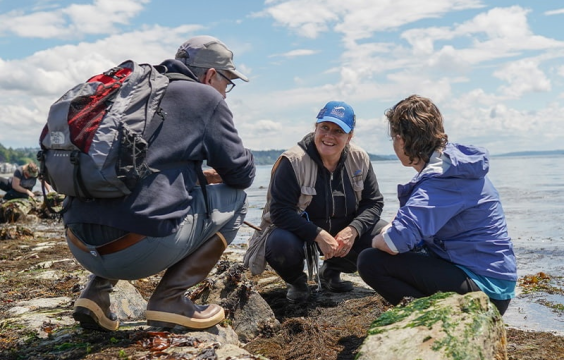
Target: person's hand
(327,244)
(378,241)
(346,238)
(212,176)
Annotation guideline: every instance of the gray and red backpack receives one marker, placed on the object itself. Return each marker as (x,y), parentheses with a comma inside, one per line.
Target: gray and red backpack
(97,135)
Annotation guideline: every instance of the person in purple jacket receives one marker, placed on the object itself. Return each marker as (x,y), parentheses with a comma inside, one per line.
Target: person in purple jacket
(449,233)
(171,221)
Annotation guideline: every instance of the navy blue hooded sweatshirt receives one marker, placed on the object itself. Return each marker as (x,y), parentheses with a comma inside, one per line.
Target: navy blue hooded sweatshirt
(198,126)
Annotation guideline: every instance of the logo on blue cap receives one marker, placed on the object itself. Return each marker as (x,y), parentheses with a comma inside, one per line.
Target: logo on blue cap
(340,113)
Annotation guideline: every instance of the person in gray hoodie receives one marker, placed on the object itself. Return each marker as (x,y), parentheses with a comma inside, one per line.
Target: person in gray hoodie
(166,222)
(450,210)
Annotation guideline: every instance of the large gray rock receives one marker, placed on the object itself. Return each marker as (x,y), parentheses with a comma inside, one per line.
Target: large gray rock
(127,302)
(443,326)
(247,312)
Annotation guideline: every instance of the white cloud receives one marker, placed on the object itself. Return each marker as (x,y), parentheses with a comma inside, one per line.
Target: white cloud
(265,127)
(432,61)
(357,19)
(308,18)
(554,12)
(522,76)
(495,34)
(296,53)
(102,15)
(505,23)
(73,21)
(483,66)
(30,85)
(484,119)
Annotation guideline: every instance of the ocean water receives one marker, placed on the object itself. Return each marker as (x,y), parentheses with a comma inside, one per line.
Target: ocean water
(532,194)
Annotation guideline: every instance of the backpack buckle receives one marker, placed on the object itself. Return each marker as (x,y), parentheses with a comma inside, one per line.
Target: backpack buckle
(74,157)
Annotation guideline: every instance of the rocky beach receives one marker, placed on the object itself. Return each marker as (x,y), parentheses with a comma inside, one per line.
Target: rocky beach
(40,280)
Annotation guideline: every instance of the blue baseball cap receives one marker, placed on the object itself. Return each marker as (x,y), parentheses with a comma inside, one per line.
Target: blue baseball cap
(340,113)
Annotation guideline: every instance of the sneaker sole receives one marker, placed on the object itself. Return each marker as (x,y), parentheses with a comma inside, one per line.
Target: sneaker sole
(91,316)
(170,320)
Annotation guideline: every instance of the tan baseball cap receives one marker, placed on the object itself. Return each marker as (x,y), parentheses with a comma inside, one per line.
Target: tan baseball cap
(208,52)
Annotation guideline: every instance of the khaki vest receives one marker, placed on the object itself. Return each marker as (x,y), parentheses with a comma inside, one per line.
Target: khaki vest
(357,166)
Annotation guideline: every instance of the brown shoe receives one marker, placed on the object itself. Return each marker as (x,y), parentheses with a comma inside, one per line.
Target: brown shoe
(92,308)
(168,306)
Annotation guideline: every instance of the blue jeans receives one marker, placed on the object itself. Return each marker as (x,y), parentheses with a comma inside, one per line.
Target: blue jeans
(228,207)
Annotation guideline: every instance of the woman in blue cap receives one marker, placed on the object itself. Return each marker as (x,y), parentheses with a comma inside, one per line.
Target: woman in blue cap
(323,195)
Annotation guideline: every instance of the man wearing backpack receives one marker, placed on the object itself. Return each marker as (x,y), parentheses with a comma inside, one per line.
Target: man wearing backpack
(165,222)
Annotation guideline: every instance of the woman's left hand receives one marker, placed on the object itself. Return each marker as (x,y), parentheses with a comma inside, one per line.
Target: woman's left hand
(345,238)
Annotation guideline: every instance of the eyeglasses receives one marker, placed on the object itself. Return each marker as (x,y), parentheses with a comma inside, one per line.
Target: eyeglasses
(230,84)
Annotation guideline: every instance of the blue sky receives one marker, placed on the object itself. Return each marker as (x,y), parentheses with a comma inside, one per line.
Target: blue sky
(494,68)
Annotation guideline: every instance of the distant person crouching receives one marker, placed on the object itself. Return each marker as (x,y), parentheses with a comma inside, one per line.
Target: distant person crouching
(21,184)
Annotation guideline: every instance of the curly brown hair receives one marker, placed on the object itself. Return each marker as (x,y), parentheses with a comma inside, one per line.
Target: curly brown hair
(420,124)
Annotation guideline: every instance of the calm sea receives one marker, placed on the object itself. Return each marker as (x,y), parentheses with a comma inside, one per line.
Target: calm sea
(532,194)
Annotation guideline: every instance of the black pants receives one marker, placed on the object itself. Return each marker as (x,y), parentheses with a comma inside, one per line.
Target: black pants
(5,184)
(285,253)
(416,275)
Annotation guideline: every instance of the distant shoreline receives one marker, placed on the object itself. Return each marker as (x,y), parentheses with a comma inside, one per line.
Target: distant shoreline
(268,157)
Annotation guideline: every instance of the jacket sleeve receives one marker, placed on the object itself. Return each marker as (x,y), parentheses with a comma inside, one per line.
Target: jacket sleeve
(428,209)
(225,150)
(285,192)
(370,206)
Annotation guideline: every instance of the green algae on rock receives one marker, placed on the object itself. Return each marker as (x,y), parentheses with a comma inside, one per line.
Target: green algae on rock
(442,326)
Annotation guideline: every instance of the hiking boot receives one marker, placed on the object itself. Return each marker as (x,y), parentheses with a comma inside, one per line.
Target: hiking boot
(168,306)
(92,308)
(331,280)
(298,291)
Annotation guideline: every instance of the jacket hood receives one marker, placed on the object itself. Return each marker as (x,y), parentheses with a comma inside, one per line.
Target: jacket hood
(466,161)
(175,66)
(456,161)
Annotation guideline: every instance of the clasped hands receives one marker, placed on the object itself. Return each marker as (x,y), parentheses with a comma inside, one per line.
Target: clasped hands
(338,246)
